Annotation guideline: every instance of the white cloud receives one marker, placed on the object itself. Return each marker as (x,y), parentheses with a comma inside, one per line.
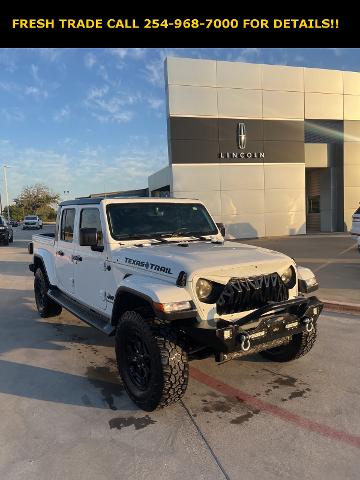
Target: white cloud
(9,86)
(111,106)
(84,169)
(36,92)
(13,114)
(248,54)
(50,54)
(155,103)
(134,53)
(114,117)
(338,52)
(90,60)
(34,69)
(8,60)
(62,114)
(97,92)
(154,69)
(155,73)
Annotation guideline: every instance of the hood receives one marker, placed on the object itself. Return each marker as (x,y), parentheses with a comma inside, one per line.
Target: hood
(218,262)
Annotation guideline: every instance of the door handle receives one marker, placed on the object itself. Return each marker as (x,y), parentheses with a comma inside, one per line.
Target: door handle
(76,258)
(60,253)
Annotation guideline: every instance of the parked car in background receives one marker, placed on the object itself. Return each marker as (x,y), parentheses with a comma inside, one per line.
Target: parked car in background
(32,221)
(6,232)
(14,223)
(355,229)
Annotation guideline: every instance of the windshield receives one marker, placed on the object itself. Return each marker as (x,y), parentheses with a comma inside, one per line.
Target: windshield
(31,218)
(2,221)
(148,220)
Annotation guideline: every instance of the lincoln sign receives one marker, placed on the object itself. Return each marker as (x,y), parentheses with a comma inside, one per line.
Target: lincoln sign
(241,143)
(241,155)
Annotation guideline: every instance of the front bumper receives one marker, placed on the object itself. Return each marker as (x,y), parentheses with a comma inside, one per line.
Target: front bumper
(277,323)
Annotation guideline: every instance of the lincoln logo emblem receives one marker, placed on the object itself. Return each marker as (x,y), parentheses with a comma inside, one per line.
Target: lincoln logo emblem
(241,135)
(241,143)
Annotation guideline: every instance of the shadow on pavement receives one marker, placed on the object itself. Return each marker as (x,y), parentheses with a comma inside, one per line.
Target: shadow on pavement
(25,330)
(53,386)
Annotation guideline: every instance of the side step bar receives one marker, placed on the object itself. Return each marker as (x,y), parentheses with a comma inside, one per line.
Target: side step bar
(95,319)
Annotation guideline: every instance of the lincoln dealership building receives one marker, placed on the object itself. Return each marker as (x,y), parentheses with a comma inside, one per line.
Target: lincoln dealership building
(271,150)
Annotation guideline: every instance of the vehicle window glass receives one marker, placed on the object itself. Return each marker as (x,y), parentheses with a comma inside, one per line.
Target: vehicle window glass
(357,211)
(90,218)
(2,221)
(67,225)
(136,220)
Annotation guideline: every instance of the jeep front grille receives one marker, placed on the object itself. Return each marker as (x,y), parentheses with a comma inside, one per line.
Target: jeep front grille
(242,294)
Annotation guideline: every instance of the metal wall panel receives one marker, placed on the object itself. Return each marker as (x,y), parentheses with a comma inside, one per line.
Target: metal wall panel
(238,75)
(189,71)
(283,105)
(234,102)
(323,81)
(283,78)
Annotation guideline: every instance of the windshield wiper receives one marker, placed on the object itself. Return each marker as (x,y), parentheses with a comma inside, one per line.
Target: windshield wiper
(183,232)
(146,236)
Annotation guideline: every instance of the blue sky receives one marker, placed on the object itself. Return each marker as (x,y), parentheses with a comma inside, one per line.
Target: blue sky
(89,120)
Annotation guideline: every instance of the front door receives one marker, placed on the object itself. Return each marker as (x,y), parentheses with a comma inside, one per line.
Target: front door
(64,250)
(89,263)
(313,200)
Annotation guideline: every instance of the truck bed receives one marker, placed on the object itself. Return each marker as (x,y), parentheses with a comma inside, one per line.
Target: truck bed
(44,238)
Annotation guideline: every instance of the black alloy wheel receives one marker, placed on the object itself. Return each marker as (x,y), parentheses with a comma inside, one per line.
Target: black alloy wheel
(152,364)
(45,305)
(138,361)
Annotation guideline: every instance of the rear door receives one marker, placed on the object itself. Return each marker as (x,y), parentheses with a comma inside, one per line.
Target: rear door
(355,230)
(90,271)
(64,250)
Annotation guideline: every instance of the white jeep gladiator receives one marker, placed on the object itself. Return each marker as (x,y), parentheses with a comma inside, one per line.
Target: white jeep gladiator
(158,274)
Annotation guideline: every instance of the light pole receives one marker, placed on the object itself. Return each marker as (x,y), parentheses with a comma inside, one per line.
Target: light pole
(6,191)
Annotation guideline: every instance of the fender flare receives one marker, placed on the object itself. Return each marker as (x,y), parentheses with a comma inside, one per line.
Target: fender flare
(50,276)
(147,301)
(122,291)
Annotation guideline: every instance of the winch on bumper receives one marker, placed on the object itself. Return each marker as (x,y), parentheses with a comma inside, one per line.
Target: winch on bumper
(277,323)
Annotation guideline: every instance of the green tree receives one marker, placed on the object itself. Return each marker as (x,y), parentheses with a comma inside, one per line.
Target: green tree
(35,200)
(15,212)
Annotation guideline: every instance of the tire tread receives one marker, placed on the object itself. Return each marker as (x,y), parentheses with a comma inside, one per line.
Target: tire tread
(300,345)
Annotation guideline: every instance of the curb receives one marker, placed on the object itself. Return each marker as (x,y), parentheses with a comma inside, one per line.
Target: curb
(341,307)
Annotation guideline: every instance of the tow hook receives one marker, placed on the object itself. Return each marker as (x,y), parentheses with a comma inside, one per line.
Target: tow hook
(309,325)
(245,343)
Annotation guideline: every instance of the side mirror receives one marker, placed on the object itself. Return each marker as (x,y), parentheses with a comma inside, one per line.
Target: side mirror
(221,228)
(88,237)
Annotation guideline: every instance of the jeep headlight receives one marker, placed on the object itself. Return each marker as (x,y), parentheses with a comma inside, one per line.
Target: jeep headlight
(289,277)
(204,289)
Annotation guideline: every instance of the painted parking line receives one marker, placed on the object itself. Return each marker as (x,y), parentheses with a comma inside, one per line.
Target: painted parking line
(332,260)
(274,410)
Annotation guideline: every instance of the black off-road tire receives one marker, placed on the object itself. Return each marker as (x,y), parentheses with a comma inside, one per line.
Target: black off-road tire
(299,345)
(166,360)
(45,306)
(6,241)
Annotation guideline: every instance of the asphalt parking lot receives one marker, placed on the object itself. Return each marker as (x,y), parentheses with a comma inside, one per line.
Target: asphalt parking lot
(334,258)
(65,414)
